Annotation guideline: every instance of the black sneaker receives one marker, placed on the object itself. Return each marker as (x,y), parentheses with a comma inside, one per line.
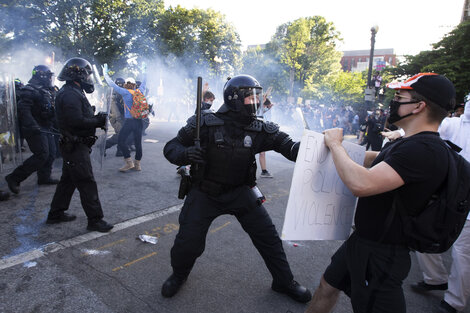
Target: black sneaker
(294,290)
(13,185)
(64,217)
(445,307)
(100,225)
(423,287)
(172,285)
(266,174)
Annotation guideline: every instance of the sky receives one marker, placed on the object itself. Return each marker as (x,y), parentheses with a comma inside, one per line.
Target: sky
(408,26)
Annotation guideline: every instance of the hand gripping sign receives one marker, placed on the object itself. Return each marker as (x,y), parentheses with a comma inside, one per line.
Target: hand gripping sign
(320,206)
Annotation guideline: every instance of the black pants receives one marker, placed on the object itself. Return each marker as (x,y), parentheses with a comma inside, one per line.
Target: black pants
(134,126)
(371,274)
(77,173)
(43,148)
(197,214)
(374,141)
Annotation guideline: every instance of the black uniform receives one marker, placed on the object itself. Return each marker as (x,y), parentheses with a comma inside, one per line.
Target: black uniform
(77,125)
(36,117)
(223,186)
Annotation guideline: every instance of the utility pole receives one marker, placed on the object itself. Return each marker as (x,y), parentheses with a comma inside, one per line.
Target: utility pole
(465,11)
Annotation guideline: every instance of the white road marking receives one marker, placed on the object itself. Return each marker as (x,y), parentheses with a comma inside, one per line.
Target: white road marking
(56,246)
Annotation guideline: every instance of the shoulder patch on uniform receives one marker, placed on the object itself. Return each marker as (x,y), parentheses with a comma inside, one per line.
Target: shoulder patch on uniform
(256,125)
(191,122)
(210,119)
(29,89)
(270,127)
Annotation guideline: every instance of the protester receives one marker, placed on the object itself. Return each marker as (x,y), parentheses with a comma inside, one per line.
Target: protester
(36,118)
(77,126)
(459,109)
(457,285)
(267,105)
(223,172)
(131,124)
(375,125)
(372,263)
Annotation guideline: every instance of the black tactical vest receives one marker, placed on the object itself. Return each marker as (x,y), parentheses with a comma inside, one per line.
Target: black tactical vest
(230,160)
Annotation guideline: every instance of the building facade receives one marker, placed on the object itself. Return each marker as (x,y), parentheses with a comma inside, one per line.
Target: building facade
(358,60)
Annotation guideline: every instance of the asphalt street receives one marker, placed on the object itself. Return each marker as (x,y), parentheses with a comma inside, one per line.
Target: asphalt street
(65,268)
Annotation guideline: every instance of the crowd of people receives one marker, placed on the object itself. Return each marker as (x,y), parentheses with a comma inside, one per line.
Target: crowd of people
(371,264)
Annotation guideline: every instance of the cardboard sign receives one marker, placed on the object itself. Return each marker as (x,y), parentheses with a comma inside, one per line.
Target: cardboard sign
(320,206)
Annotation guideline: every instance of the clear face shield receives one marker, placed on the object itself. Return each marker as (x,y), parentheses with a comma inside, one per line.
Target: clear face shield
(253,100)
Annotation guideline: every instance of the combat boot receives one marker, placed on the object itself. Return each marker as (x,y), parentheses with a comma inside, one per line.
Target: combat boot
(137,165)
(13,184)
(4,195)
(127,166)
(294,290)
(172,285)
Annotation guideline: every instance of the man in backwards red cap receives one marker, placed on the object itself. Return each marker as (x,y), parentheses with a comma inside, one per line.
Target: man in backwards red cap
(372,263)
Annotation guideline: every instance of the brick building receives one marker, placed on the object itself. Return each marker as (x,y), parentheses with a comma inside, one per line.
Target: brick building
(358,60)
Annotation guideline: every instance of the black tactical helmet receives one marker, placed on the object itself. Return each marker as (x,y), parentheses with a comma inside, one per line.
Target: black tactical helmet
(235,91)
(43,75)
(120,81)
(79,70)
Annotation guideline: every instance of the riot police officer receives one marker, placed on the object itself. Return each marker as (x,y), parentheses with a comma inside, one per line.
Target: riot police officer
(222,183)
(36,117)
(77,125)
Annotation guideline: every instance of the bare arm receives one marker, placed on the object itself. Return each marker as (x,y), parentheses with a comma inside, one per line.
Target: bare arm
(361,181)
(370,157)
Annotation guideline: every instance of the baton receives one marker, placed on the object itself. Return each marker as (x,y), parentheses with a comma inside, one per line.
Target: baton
(197,139)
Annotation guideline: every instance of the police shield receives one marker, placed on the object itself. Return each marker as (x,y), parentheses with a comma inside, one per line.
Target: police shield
(101,100)
(10,147)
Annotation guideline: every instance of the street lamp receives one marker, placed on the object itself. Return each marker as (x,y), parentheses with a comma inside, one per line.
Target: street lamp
(369,92)
(373,30)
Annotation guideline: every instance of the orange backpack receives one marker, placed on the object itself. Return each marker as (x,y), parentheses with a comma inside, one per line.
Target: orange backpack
(140,108)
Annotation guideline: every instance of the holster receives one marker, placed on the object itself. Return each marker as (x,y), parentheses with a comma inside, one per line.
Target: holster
(185,185)
(67,144)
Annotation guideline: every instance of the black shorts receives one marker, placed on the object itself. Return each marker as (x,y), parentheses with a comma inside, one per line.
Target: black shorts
(371,274)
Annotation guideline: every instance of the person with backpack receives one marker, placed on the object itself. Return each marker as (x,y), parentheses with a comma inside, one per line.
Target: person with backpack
(372,263)
(135,109)
(457,284)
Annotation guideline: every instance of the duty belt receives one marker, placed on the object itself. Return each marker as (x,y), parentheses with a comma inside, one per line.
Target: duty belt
(88,140)
(214,189)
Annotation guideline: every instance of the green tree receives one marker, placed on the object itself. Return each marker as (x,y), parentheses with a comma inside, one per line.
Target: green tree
(267,69)
(99,30)
(342,89)
(199,37)
(449,57)
(307,46)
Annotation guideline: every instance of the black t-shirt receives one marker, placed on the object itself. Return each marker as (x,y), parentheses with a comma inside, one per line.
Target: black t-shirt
(422,164)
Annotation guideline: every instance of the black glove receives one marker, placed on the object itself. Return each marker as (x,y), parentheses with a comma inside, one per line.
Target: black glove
(194,155)
(101,118)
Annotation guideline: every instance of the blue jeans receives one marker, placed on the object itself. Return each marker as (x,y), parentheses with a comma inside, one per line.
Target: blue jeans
(134,126)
